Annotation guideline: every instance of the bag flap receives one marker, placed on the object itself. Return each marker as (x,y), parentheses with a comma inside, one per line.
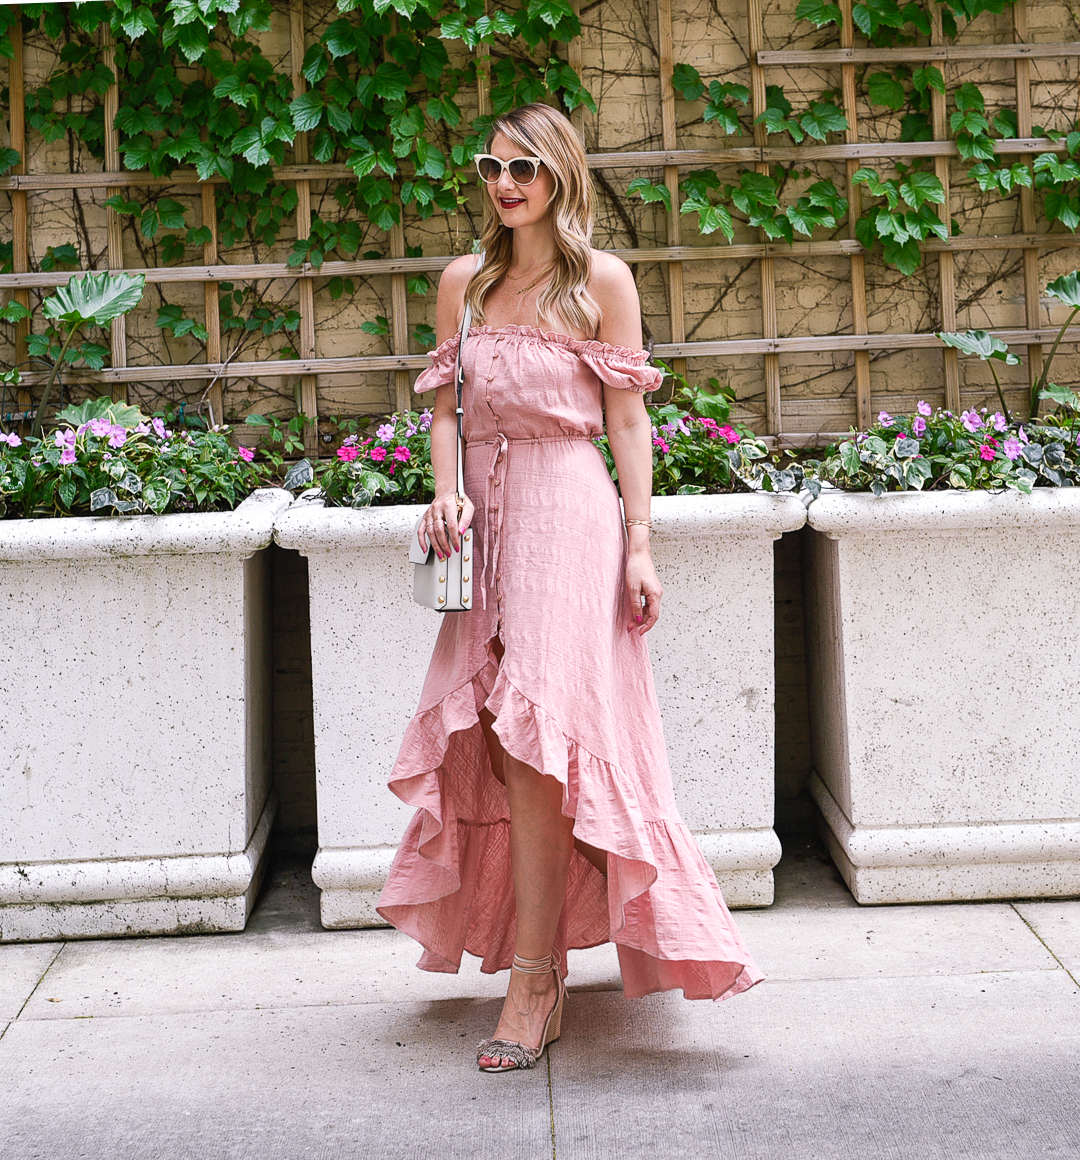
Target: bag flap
(416,554)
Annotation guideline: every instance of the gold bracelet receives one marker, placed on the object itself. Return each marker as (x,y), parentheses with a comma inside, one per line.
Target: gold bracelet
(644,523)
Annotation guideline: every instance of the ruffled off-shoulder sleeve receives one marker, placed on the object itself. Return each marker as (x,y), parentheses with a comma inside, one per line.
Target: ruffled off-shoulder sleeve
(441,372)
(619,366)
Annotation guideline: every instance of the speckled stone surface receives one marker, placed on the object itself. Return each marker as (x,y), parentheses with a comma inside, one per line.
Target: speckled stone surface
(712,655)
(943,630)
(134,764)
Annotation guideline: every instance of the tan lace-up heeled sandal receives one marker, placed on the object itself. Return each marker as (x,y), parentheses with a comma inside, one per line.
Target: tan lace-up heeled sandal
(526,1057)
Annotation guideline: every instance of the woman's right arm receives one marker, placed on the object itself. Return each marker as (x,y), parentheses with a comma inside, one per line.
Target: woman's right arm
(449,310)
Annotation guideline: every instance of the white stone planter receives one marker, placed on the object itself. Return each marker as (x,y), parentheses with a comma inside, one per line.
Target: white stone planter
(943,641)
(712,652)
(135,674)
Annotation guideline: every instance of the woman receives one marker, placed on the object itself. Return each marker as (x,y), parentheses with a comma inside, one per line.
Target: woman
(545,815)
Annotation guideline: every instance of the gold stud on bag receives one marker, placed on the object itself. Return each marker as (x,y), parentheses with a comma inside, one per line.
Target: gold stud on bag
(446,585)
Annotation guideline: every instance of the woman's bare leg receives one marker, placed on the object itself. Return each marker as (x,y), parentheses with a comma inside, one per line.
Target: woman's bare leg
(541,842)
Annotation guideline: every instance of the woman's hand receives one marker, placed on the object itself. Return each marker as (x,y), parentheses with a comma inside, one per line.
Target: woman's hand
(644,588)
(441,526)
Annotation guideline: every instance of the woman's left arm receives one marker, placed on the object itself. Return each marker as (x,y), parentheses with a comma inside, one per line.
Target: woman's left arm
(630,438)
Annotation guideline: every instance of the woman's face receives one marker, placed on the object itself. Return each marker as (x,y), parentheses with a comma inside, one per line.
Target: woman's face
(519,205)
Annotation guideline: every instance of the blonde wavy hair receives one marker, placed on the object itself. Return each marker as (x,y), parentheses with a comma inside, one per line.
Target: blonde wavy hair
(541,131)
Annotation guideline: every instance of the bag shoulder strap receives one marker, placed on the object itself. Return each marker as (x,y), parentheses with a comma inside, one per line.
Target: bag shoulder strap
(459,377)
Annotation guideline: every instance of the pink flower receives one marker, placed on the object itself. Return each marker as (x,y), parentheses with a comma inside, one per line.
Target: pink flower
(99,427)
(1011,448)
(658,442)
(11,440)
(67,456)
(1023,436)
(706,422)
(918,427)
(730,434)
(348,454)
(884,418)
(378,454)
(247,454)
(998,419)
(923,409)
(117,436)
(986,452)
(159,428)
(971,420)
(402,454)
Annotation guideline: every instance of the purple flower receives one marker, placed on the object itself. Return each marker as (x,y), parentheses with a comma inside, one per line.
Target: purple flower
(349,441)
(117,437)
(100,427)
(923,409)
(11,440)
(998,419)
(425,420)
(885,419)
(669,429)
(971,420)
(385,433)
(159,428)
(918,427)
(1011,447)
(141,429)
(1023,436)
(67,456)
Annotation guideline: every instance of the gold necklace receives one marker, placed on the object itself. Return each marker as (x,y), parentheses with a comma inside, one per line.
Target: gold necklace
(524,289)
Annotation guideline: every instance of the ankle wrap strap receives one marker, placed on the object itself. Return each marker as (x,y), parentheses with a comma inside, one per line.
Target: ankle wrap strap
(536,966)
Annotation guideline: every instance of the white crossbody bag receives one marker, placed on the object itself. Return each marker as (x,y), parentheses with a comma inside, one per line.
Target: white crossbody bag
(446,585)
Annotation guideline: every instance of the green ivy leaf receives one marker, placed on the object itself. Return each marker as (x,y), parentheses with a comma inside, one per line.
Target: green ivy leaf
(650,192)
(927,77)
(821,119)
(884,89)
(919,188)
(818,12)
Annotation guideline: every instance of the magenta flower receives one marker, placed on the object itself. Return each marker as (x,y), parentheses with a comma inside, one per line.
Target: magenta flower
(998,419)
(658,442)
(348,454)
(729,433)
(378,454)
(707,422)
(247,454)
(923,409)
(986,451)
(885,419)
(918,427)
(67,457)
(1011,447)
(402,454)
(971,420)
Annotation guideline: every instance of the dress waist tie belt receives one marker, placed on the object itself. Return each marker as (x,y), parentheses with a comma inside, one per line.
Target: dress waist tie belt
(493,507)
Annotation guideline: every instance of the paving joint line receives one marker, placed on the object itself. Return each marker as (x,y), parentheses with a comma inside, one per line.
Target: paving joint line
(551,1105)
(1049,949)
(33,990)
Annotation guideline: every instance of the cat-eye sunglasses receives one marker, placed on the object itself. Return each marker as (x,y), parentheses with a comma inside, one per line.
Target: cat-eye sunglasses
(523,170)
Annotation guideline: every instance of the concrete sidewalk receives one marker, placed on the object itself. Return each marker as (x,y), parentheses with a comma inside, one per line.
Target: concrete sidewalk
(909,1032)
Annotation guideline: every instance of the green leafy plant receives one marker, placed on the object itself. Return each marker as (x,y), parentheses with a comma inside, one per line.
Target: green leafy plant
(93,298)
(899,230)
(987,348)
(105,457)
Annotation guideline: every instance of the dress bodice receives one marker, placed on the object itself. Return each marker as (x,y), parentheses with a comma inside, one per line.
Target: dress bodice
(524,382)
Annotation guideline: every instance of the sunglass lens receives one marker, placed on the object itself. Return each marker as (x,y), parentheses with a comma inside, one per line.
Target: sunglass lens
(522,170)
(489,168)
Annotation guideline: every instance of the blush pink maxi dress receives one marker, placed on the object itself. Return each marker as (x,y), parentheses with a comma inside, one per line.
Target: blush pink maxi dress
(573,696)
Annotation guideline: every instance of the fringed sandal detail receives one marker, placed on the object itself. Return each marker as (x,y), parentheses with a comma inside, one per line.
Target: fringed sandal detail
(525,1057)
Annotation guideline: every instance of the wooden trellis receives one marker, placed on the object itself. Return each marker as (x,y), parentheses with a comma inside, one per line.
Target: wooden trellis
(771,346)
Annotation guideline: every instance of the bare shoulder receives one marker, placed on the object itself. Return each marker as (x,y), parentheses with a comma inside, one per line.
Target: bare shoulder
(613,287)
(451,299)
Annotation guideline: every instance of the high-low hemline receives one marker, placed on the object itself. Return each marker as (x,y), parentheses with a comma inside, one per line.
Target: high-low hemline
(445,858)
